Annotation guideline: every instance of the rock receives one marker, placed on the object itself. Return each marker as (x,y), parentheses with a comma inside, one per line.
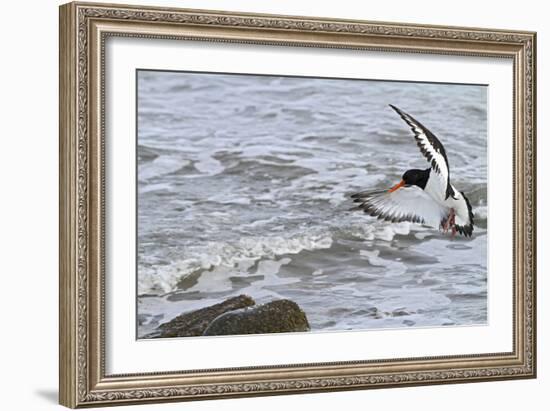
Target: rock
(278,316)
(236,316)
(195,322)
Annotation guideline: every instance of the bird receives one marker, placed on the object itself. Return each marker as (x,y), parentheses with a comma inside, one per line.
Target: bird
(423,196)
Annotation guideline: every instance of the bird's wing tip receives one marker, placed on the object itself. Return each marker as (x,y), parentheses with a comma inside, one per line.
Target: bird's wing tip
(401,113)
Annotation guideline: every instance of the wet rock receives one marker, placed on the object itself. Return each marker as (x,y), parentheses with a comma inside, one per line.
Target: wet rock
(195,322)
(275,317)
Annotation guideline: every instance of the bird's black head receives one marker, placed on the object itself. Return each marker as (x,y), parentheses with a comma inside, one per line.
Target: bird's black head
(416,177)
(412,178)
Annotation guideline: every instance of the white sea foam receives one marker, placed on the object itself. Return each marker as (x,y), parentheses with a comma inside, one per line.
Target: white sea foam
(160,166)
(208,165)
(395,268)
(218,257)
(369,228)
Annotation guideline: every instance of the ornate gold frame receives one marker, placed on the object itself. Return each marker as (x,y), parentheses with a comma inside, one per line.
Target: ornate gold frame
(83,30)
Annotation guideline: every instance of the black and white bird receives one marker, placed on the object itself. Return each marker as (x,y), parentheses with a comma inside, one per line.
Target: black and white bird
(422,196)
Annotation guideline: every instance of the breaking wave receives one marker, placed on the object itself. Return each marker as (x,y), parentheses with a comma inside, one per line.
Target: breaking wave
(247,251)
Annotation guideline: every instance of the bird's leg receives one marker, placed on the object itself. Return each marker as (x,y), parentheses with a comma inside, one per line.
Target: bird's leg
(450,223)
(445,225)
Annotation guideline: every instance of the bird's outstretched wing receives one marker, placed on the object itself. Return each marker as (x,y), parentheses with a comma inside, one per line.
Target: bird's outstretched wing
(432,149)
(409,203)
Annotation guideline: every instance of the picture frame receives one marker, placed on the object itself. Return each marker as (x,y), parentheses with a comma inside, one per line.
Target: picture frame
(85,28)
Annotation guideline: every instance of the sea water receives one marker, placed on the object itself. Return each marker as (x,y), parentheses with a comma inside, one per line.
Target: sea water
(244,185)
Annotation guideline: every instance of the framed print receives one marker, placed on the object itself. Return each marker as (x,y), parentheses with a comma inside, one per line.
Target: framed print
(259,204)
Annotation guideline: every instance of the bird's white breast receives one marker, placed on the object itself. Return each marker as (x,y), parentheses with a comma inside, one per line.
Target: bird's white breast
(435,190)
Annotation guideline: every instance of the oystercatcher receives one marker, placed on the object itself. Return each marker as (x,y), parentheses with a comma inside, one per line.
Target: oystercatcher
(422,196)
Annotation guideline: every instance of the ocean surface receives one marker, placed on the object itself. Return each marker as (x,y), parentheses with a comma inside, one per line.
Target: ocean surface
(244,184)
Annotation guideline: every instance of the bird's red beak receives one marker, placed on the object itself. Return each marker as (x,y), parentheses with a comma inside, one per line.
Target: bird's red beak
(397,186)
